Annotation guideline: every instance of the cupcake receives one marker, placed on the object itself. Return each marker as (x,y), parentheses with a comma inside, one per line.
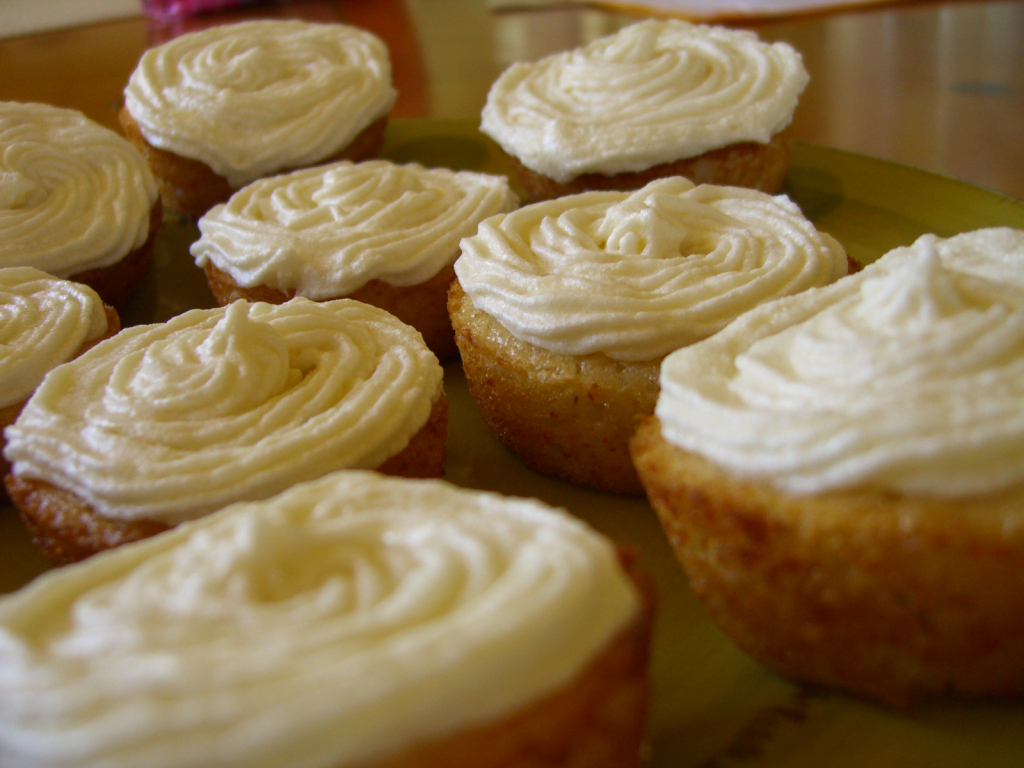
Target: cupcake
(169,422)
(376,232)
(563,310)
(217,109)
(656,99)
(76,200)
(355,620)
(842,473)
(46,321)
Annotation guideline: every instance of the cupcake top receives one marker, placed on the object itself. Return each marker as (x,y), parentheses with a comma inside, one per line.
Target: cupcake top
(325,232)
(44,321)
(74,195)
(908,376)
(337,624)
(637,275)
(653,93)
(252,98)
(171,421)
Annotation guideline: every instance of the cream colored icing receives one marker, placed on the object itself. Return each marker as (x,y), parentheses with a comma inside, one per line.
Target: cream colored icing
(653,93)
(44,321)
(253,98)
(337,624)
(908,376)
(637,275)
(325,232)
(73,195)
(172,421)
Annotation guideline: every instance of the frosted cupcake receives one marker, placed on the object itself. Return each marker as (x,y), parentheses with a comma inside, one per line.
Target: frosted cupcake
(166,423)
(376,232)
(564,310)
(656,99)
(355,620)
(842,473)
(217,109)
(76,200)
(46,321)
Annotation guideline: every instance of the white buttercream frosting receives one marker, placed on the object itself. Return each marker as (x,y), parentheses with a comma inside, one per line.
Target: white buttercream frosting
(74,195)
(337,624)
(325,232)
(253,98)
(637,275)
(653,93)
(172,421)
(44,321)
(908,376)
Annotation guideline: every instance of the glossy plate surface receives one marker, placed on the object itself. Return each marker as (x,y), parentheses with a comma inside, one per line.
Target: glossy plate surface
(712,706)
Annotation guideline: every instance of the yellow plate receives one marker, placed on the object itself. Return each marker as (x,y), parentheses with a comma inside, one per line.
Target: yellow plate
(712,706)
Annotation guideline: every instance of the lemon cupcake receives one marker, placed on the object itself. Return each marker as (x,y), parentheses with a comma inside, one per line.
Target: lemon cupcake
(563,310)
(46,321)
(656,99)
(76,200)
(165,423)
(376,232)
(355,620)
(842,473)
(217,109)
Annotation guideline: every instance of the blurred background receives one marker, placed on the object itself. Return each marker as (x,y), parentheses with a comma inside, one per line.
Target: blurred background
(938,85)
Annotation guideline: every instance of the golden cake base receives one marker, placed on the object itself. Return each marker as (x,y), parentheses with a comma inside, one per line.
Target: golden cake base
(566,417)
(882,595)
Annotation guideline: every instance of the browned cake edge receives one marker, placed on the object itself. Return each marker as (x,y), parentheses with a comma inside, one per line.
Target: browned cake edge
(117,282)
(744,164)
(191,187)
(66,528)
(423,306)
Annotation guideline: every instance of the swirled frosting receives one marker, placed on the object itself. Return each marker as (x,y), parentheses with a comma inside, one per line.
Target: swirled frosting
(325,232)
(653,93)
(172,421)
(908,376)
(44,322)
(337,624)
(253,98)
(637,275)
(73,195)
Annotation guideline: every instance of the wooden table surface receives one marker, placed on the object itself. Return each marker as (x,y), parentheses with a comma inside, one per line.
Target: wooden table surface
(937,85)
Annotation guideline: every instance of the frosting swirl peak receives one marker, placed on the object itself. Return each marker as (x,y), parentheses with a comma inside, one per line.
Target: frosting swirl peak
(171,421)
(252,98)
(337,624)
(74,195)
(325,232)
(44,322)
(654,92)
(637,275)
(908,376)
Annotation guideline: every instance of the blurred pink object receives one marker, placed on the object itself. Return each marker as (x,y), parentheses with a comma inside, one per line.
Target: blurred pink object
(173,9)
